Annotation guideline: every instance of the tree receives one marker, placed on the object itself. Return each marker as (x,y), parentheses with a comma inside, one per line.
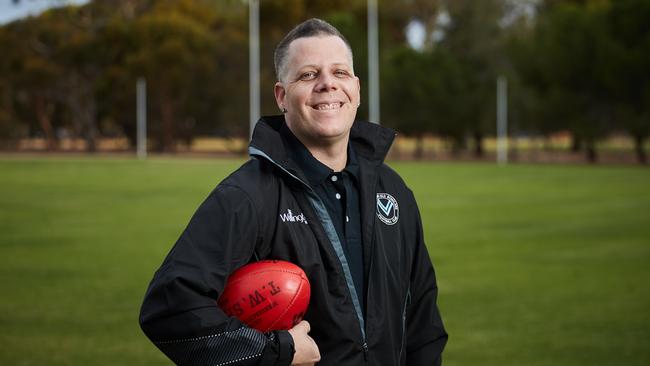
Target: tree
(627,73)
(567,63)
(32,71)
(420,93)
(476,40)
(173,50)
(80,59)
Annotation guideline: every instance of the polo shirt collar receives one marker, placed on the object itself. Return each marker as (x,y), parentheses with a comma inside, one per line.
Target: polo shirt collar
(315,171)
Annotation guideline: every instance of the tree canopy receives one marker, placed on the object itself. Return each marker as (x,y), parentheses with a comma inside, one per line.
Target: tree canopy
(576,66)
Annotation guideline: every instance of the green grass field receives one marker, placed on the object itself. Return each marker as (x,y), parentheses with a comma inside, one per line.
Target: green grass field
(537,265)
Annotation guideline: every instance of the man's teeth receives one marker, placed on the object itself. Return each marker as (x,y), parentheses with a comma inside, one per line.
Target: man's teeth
(322,107)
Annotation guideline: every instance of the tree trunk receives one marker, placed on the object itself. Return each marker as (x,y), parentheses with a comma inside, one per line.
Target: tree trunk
(43,117)
(478,145)
(89,126)
(167,131)
(85,108)
(576,143)
(418,154)
(457,146)
(590,147)
(81,100)
(641,156)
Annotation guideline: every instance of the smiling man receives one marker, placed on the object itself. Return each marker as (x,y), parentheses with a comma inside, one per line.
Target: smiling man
(320,94)
(360,240)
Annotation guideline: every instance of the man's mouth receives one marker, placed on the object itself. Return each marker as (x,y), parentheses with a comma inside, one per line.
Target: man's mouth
(327,106)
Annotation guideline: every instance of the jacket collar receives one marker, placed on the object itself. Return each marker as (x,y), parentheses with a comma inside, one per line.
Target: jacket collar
(370,141)
(315,171)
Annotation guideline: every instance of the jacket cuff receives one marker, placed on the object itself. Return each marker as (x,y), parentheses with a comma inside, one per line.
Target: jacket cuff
(285,347)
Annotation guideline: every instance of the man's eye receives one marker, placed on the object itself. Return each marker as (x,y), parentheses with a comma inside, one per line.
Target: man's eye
(341,73)
(310,75)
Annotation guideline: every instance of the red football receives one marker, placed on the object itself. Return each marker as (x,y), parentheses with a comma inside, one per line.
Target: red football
(267,295)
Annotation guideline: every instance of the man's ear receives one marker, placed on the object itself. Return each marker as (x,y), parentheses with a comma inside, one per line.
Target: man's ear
(280,94)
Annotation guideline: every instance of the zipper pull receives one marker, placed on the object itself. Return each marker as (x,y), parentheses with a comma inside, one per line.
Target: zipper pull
(365,351)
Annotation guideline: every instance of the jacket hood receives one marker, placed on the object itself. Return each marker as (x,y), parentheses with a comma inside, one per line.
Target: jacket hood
(369,140)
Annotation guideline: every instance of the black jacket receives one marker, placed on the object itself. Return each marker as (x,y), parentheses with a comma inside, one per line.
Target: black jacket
(245,218)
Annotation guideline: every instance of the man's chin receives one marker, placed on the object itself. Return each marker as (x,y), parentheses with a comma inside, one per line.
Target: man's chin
(332,135)
(333,123)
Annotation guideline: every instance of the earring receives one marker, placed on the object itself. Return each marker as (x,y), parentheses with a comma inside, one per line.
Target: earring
(284,110)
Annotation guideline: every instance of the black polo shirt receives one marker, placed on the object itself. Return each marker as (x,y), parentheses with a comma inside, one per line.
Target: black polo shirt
(339,191)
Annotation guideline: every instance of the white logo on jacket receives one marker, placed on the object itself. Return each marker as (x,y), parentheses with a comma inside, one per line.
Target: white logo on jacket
(290,217)
(387,208)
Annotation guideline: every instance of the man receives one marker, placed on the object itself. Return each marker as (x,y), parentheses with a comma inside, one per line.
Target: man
(373,288)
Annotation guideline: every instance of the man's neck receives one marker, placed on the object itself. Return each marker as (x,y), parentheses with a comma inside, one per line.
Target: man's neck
(334,156)
(332,153)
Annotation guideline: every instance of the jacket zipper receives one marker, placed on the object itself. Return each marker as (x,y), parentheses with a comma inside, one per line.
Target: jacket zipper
(315,199)
(365,351)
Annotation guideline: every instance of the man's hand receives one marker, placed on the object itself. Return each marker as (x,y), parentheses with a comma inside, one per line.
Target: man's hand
(307,352)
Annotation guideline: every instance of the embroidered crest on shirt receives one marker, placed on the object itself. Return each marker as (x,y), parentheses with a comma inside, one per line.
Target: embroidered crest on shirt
(290,217)
(387,208)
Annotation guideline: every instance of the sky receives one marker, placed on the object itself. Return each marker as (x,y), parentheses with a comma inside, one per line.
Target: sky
(12,9)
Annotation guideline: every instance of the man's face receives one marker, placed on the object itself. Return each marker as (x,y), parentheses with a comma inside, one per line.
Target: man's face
(319,90)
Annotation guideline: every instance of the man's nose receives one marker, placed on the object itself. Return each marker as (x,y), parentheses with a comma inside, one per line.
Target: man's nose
(326,82)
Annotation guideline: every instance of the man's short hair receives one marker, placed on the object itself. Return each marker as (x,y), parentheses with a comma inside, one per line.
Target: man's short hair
(309,28)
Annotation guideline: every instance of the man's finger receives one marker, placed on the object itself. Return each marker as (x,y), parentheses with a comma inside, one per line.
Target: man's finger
(303,326)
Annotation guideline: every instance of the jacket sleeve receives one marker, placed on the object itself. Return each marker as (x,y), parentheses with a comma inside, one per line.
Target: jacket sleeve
(180,313)
(426,335)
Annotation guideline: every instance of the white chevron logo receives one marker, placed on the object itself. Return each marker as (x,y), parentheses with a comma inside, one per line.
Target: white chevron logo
(387,208)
